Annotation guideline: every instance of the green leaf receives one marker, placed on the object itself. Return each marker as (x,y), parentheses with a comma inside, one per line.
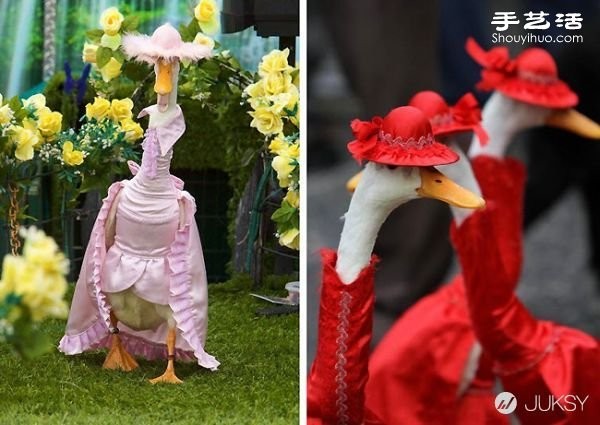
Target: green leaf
(119,56)
(15,103)
(103,55)
(136,71)
(130,23)
(94,35)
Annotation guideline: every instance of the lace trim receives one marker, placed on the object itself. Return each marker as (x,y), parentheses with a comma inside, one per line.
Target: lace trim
(410,143)
(150,146)
(498,370)
(537,78)
(340,365)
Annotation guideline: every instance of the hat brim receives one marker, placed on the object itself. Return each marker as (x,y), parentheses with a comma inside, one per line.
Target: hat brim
(142,48)
(432,155)
(553,95)
(452,128)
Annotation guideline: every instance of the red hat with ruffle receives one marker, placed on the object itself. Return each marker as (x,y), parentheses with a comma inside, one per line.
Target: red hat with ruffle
(404,137)
(465,115)
(532,77)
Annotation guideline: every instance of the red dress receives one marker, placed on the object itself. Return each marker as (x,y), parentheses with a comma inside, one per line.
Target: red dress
(424,355)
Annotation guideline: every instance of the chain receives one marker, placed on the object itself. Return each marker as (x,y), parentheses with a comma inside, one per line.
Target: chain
(13,222)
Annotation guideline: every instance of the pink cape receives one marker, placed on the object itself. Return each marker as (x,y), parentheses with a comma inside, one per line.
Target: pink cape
(181,283)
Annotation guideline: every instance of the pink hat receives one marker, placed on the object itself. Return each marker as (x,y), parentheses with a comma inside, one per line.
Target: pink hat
(164,43)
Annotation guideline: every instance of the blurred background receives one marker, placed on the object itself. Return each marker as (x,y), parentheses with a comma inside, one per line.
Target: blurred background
(365,58)
(22,34)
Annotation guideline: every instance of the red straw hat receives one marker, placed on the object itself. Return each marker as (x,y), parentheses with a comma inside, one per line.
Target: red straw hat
(465,115)
(532,77)
(404,137)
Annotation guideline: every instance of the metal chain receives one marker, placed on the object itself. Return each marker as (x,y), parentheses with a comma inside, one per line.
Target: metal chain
(13,222)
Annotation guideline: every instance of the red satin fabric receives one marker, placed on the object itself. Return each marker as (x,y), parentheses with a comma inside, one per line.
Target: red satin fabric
(423,356)
(340,371)
(532,357)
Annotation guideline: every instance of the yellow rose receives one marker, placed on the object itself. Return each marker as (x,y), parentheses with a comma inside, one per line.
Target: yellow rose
(12,268)
(70,156)
(111,20)
(290,238)
(204,40)
(292,150)
(121,109)
(37,101)
(25,140)
(284,167)
(207,14)
(133,131)
(111,70)
(266,121)
(294,96)
(275,61)
(292,198)
(276,83)
(89,53)
(255,90)
(113,42)
(42,293)
(278,144)
(97,110)
(6,114)
(49,124)
(42,251)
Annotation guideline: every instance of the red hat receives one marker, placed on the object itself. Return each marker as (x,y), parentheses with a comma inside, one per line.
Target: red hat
(465,115)
(404,137)
(532,77)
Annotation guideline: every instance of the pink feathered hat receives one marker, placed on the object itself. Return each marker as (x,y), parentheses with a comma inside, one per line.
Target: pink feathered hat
(164,43)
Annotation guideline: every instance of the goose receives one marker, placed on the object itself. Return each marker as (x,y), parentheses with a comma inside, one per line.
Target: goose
(401,152)
(436,335)
(142,289)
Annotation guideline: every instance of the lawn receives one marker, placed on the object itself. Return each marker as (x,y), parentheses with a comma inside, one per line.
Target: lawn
(257,382)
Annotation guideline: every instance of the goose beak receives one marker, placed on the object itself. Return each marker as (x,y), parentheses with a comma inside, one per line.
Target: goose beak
(437,186)
(353,182)
(164,84)
(575,122)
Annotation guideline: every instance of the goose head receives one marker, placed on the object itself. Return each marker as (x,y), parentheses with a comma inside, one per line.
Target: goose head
(165,86)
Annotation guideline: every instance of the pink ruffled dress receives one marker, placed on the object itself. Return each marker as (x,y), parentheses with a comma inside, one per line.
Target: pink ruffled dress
(154,267)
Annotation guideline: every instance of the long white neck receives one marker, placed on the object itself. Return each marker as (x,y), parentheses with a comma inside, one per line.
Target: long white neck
(379,192)
(502,119)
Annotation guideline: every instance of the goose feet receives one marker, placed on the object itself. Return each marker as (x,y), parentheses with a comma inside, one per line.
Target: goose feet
(169,376)
(118,357)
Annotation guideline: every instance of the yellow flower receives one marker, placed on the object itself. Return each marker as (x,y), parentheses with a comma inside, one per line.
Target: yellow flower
(207,14)
(266,121)
(97,110)
(49,123)
(278,144)
(255,90)
(41,250)
(111,70)
(6,114)
(12,268)
(121,109)
(292,150)
(37,101)
(204,40)
(292,198)
(70,156)
(275,61)
(25,139)
(111,41)
(284,167)
(290,238)
(111,20)
(89,53)
(276,83)
(133,131)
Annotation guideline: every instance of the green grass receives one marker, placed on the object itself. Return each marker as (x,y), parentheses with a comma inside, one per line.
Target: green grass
(257,382)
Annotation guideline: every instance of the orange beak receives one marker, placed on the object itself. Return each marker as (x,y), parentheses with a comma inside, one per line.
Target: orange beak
(437,186)
(575,122)
(164,84)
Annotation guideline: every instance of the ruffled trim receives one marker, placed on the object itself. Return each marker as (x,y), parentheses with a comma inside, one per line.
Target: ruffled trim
(552,95)
(181,287)
(435,154)
(75,344)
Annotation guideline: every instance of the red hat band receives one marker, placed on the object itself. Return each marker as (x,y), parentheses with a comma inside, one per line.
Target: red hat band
(410,143)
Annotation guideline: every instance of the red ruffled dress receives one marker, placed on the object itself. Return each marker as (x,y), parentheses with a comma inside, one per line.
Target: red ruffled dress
(424,355)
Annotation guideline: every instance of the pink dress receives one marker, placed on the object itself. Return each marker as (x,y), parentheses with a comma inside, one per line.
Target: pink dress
(152,257)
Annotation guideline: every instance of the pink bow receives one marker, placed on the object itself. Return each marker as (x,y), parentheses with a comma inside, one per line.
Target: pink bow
(496,62)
